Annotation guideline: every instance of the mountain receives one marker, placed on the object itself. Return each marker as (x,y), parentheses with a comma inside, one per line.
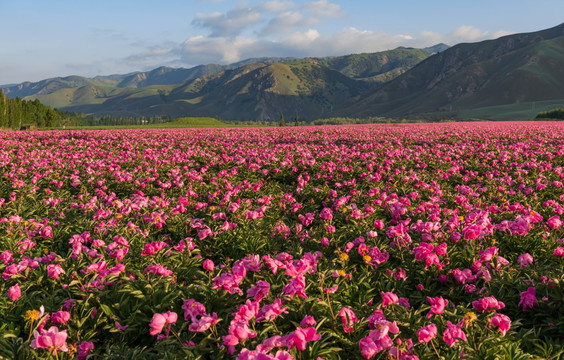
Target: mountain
(503,73)
(260,88)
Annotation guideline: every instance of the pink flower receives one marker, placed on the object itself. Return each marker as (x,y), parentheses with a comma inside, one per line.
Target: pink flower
(271,311)
(302,336)
(160,321)
(52,340)
(308,321)
(502,322)
(203,323)
(348,319)
(259,291)
(54,270)
(60,317)
(452,333)
(192,309)
(14,292)
(83,349)
(488,303)
(427,333)
(554,222)
(208,265)
(368,348)
(389,298)
(471,232)
(559,252)
(528,299)
(437,305)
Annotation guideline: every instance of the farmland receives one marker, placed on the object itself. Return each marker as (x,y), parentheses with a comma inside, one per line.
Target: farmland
(359,242)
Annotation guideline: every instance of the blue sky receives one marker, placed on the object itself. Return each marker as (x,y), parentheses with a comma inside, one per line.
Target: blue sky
(42,39)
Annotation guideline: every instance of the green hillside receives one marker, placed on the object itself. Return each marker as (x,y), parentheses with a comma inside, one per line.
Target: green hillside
(515,69)
(257,89)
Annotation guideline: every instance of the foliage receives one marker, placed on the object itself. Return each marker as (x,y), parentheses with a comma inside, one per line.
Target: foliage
(552,114)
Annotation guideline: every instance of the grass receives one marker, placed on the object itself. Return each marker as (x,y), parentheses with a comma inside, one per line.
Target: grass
(185,122)
(520,111)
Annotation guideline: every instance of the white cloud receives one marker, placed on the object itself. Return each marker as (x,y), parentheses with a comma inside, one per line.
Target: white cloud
(231,23)
(324,9)
(276,6)
(463,34)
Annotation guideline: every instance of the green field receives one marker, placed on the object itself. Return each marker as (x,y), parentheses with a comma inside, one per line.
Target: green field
(184,122)
(520,111)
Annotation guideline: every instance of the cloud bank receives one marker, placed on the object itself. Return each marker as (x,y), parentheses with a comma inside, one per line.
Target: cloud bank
(286,29)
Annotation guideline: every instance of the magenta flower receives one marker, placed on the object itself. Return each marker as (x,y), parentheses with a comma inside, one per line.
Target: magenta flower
(60,317)
(54,270)
(438,305)
(502,322)
(389,298)
(83,349)
(308,321)
(52,340)
(14,292)
(348,318)
(487,303)
(528,299)
(161,321)
(471,232)
(452,334)
(554,222)
(208,265)
(259,291)
(302,336)
(427,333)
(559,252)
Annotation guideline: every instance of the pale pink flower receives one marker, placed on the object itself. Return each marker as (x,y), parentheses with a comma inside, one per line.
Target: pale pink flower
(161,321)
(52,340)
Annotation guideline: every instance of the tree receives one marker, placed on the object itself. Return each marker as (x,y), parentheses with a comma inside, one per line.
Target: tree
(296,120)
(282,120)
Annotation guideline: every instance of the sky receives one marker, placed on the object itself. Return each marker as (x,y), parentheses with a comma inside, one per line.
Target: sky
(42,39)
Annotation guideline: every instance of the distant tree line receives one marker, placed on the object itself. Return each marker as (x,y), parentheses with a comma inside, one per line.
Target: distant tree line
(108,120)
(551,114)
(17,113)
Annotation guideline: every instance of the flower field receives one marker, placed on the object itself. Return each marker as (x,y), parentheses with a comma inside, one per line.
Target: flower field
(362,242)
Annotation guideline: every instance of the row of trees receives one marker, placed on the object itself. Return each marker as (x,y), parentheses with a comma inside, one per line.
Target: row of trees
(552,114)
(17,113)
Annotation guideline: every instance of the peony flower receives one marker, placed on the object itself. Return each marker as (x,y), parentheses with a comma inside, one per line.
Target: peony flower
(437,305)
(208,265)
(14,292)
(502,322)
(427,333)
(348,319)
(161,321)
(60,317)
(487,303)
(528,299)
(452,334)
(83,349)
(389,298)
(52,340)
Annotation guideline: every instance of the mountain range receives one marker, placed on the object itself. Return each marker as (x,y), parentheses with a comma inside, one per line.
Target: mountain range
(511,77)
